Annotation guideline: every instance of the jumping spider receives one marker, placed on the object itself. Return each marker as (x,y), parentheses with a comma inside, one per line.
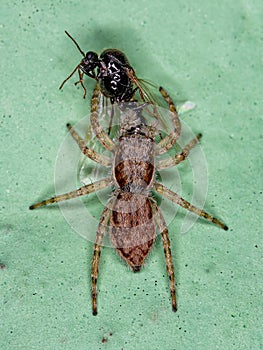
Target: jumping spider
(132,213)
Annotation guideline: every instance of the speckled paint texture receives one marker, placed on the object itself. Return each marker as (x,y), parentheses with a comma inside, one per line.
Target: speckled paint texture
(207,52)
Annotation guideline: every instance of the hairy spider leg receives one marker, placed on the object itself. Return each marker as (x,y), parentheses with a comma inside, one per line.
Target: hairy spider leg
(82,191)
(169,140)
(167,251)
(180,157)
(101,231)
(87,151)
(103,138)
(174,197)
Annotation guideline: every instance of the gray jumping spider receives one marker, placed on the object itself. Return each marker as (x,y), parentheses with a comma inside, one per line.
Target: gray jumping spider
(131,213)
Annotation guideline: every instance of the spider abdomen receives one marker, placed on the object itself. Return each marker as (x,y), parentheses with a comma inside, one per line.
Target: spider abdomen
(132,227)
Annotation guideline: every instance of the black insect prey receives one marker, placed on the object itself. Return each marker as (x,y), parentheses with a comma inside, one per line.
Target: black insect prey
(112,70)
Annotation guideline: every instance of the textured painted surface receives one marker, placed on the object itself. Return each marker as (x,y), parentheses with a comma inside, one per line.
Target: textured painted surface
(210,53)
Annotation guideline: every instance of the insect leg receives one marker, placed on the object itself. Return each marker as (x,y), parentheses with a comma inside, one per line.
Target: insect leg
(178,158)
(80,81)
(174,197)
(74,70)
(111,118)
(82,191)
(167,251)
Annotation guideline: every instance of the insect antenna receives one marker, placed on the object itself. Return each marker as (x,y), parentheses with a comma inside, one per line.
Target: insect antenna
(77,68)
(74,41)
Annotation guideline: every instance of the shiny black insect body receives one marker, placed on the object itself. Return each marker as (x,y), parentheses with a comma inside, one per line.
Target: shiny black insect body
(112,70)
(114,76)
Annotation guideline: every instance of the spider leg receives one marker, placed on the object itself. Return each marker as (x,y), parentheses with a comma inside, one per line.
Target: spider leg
(103,138)
(101,231)
(169,140)
(82,191)
(174,197)
(178,158)
(89,152)
(167,251)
